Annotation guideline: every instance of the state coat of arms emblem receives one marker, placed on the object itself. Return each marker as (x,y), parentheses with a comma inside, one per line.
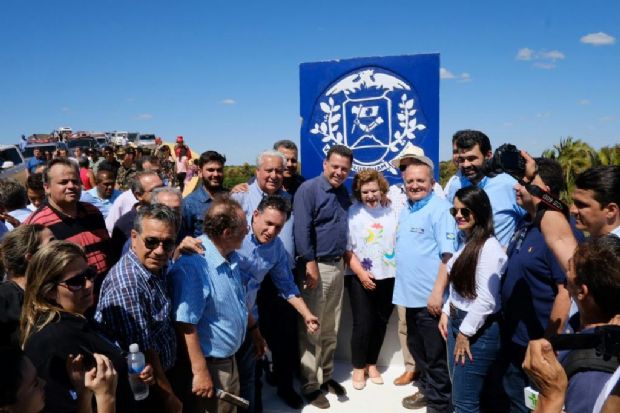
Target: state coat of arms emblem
(373,112)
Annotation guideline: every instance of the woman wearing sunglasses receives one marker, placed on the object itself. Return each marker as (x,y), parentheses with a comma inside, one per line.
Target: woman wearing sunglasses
(55,333)
(469,319)
(370,254)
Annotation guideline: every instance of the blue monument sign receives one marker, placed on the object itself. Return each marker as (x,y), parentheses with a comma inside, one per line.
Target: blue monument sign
(376,106)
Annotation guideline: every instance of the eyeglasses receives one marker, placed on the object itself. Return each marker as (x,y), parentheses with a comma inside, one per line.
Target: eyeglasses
(465,212)
(77,282)
(152,243)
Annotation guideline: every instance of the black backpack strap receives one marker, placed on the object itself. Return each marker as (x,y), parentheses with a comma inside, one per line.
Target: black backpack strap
(588,360)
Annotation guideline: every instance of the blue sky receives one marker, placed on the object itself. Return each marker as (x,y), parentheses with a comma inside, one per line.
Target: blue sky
(225,74)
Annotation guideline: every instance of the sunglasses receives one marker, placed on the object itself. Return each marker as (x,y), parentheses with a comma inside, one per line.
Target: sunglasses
(465,212)
(152,243)
(77,282)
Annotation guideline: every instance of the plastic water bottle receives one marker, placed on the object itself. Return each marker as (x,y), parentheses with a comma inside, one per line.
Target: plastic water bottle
(136,363)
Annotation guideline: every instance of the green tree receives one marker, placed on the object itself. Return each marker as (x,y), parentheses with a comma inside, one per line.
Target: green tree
(446,170)
(574,156)
(609,155)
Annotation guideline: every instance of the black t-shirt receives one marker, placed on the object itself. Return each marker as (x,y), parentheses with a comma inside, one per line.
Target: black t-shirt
(11,302)
(49,349)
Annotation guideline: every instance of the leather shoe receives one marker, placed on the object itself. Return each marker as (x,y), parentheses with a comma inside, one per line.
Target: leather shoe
(291,398)
(415,401)
(334,387)
(406,378)
(317,399)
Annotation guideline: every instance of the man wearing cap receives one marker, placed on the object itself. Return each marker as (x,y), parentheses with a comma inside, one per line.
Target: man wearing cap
(421,279)
(397,194)
(127,169)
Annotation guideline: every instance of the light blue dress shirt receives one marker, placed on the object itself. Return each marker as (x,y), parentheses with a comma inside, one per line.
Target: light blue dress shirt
(256,260)
(103,205)
(208,291)
(426,230)
(506,212)
(249,202)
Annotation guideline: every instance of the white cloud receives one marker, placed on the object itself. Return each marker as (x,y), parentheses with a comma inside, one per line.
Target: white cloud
(464,77)
(445,73)
(228,101)
(584,102)
(542,59)
(525,54)
(552,55)
(144,116)
(598,39)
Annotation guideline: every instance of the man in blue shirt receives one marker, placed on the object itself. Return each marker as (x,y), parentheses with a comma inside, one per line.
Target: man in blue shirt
(262,253)
(535,301)
(38,158)
(134,306)
(195,205)
(321,230)
(210,309)
(425,241)
(474,149)
(103,195)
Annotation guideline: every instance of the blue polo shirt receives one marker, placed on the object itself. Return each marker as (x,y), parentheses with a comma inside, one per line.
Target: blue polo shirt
(426,230)
(506,212)
(529,286)
(103,205)
(208,291)
(249,202)
(256,260)
(195,206)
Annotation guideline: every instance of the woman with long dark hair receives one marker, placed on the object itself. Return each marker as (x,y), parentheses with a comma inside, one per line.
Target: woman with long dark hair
(469,319)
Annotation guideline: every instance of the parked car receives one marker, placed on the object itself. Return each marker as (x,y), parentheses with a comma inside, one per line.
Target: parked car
(84,143)
(119,138)
(51,146)
(146,140)
(12,164)
(102,142)
(132,137)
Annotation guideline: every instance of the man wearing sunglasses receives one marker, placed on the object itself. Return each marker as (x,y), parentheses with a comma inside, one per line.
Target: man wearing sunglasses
(134,306)
(535,300)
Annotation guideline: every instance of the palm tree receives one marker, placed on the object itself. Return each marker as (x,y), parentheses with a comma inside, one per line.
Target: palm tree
(574,156)
(609,155)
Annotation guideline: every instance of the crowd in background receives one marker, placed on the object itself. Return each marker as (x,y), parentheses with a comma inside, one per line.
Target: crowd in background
(101,250)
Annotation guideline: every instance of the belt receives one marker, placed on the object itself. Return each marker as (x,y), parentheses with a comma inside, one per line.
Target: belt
(209,358)
(329,258)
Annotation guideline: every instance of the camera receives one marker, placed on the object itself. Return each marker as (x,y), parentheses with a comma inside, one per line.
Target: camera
(507,158)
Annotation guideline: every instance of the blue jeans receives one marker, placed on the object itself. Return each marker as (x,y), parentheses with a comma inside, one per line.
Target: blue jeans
(468,381)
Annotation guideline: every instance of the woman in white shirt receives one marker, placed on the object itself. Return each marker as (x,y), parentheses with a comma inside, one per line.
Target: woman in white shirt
(469,319)
(370,255)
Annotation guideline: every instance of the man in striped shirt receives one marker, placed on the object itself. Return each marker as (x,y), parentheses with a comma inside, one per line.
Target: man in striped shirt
(72,220)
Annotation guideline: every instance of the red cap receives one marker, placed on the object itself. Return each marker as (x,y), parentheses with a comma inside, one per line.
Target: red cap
(179,139)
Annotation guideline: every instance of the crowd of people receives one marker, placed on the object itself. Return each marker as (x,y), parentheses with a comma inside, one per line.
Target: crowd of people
(103,252)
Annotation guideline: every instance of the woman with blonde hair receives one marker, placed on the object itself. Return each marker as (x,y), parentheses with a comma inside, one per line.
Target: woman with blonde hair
(370,255)
(56,336)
